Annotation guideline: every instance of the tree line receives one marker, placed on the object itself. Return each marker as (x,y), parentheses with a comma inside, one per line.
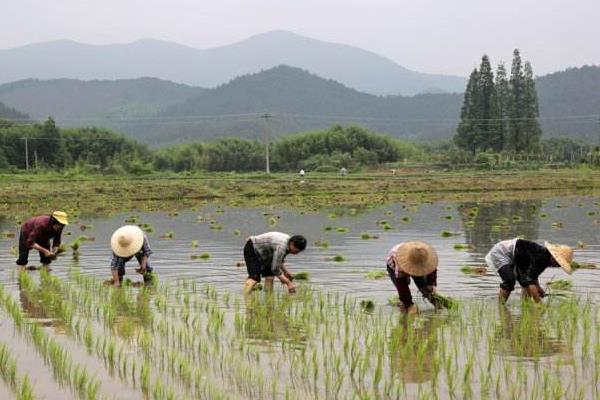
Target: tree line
(46,146)
(500,113)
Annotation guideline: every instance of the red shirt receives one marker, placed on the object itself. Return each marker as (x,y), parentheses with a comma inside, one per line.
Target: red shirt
(39,230)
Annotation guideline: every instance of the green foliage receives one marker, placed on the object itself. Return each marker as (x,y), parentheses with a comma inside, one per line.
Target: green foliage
(500,114)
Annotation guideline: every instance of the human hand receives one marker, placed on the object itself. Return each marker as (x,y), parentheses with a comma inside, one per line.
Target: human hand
(412,309)
(289,275)
(47,253)
(291,288)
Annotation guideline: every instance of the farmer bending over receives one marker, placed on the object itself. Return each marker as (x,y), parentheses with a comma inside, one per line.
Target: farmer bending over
(523,261)
(36,234)
(416,260)
(265,254)
(129,241)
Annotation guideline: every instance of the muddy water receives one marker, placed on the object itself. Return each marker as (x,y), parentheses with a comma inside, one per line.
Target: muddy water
(221,233)
(566,220)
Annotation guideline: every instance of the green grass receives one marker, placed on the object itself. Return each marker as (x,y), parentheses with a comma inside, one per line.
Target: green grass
(376,274)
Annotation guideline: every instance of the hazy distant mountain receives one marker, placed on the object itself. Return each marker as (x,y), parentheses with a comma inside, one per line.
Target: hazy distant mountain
(354,67)
(159,112)
(82,101)
(12,114)
(570,102)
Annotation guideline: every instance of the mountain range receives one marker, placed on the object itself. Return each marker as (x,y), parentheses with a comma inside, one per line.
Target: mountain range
(160,112)
(356,68)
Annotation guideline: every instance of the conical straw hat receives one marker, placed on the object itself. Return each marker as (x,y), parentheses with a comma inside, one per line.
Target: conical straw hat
(416,258)
(562,254)
(127,240)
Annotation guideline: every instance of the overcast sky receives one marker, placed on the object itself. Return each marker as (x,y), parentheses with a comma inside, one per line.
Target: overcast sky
(445,36)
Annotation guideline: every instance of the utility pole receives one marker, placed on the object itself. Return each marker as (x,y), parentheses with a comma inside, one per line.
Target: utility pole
(266,117)
(26,153)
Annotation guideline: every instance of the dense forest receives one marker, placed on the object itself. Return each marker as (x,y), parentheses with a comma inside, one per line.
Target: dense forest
(160,113)
(45,146)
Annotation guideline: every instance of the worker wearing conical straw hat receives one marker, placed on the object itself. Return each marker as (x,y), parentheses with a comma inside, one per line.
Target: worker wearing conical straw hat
(416,260)
(523,261)
(127,242)
(36,233)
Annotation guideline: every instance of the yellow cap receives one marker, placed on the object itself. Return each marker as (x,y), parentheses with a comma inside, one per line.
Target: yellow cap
(61,217)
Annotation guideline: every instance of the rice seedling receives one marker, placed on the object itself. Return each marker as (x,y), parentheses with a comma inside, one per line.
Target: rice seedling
(560,284)
(301,276)
(469,269)
(324,244)
(461,246)
(367,305)
(338,258)
(376,274)
(168,235)
(368,236)
(583,265)
(342,229)
(194,244)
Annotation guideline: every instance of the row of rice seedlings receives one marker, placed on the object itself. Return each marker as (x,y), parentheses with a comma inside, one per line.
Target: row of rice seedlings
(344,358)
(19,384)
(114,355)
(64,370)
(165,357)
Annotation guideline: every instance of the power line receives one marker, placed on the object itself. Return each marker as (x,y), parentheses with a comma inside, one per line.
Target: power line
(255,116)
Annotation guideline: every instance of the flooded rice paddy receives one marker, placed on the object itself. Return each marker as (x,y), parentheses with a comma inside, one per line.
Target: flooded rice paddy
(195,336)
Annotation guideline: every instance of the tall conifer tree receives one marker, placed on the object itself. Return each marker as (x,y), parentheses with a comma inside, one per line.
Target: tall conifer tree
(502,105)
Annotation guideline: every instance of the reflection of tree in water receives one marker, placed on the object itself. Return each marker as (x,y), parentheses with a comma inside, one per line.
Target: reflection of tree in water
(267,320)
(413,347)
(486,224)
(527,335)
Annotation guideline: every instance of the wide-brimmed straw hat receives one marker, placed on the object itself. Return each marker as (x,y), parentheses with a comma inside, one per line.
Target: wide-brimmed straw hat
(127,240)
(61,217)
(562,254)
(416,258)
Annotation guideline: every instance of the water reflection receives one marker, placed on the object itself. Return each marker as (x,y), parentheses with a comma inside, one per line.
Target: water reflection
(527,335)
(132,314)
(413,346)
(486,224)
(267,321)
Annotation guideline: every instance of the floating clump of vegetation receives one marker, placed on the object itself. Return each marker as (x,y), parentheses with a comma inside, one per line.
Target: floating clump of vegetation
(324,244)
(194,244)
(328,228)
(462,246)
(342,229)
(449,217)
(406,219)
(376,274)
(447,234)
(168,235)
(338,258)
(368,236)
(132,219)
(237,232)
(203,256)
(468,269)
(583,265)
(146,227)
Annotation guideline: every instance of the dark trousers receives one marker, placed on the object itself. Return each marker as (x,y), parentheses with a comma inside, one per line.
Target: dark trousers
(24,252)
(254,264)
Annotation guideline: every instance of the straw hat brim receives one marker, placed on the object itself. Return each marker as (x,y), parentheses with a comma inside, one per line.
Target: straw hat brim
(427,266)
(136,240)
(558,257)
(61,217)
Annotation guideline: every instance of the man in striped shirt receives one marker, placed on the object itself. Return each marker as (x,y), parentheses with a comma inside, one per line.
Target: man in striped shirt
(265,255)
